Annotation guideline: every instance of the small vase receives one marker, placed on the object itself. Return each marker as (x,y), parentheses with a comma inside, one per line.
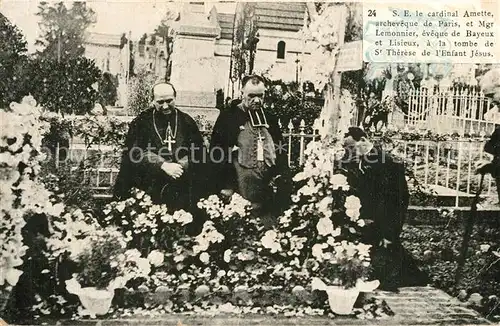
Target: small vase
(97,302)
(342,300)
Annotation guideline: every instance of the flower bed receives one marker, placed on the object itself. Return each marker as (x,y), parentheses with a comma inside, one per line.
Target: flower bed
(153,260)
(22,197)
(149,255)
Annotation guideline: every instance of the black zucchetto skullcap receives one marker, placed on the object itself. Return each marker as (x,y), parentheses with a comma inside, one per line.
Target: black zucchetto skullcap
(356,133)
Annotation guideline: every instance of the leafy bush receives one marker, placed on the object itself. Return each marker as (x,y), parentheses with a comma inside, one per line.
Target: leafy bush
(70,185)
(108,89)
(13,50)
(289,103)
(139,98)
(65,86)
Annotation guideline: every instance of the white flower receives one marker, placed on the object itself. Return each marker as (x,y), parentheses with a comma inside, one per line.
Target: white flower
(324,226)
(352,202)
(243,256)
(156,258)
(331,241)
(339,181)
(55,210)
(307,190)
(484,247)
(285,219)
(353,214)
(183,217)
(324,204)
(336,232)
(120,207)
(361,223)
(227,255)
(179,258)
(11,275)
(299,177)
(363,250)
(317,250)
(352,205)
(269,241)
(204,258)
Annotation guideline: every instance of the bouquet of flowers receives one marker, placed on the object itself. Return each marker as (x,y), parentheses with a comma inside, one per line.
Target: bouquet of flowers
(20,194)
(319,237)
(147,226)
(103,266)
(229,235)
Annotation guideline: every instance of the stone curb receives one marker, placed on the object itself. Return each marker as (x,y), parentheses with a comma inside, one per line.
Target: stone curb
(239,296)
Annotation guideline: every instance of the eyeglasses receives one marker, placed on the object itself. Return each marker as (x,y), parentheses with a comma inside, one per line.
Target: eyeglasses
(161,102)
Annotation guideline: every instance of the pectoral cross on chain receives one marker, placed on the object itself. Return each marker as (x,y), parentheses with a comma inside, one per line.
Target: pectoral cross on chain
(169,140)
(260,147)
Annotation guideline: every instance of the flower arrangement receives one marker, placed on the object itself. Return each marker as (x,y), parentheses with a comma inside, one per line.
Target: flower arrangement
(100,261)
(323,227)
(323,34)
(232,239)
(102,267)
(146,225)
(20,193)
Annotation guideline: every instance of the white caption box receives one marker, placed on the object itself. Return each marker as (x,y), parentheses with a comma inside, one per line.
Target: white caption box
(423,32)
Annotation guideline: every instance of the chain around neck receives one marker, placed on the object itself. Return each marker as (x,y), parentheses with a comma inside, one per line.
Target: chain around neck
(167,130)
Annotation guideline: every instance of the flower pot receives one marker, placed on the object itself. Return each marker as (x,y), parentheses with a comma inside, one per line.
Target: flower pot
(342,300)
(96,301)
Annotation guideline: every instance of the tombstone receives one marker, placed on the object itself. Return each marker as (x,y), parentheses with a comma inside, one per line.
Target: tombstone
(193,59)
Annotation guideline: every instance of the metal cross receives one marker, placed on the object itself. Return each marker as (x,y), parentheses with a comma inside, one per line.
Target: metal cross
(170,139)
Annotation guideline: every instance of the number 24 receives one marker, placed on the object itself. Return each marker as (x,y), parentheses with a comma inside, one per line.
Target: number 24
(372,13)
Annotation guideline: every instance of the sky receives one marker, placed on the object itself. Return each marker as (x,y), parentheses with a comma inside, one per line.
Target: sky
(113,17)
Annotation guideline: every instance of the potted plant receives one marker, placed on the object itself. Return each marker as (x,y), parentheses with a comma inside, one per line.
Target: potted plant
(320,235)
(104,265)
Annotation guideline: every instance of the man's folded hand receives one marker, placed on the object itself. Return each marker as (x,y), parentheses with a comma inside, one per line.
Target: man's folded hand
(174,170)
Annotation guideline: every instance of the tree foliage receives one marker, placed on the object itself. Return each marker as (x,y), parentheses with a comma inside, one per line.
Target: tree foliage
(13,59)
(62,29)
(65,86)
(140,91)
(289,103)
(108,92)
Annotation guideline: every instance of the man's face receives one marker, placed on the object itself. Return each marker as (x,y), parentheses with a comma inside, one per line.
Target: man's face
(494,95)
(253,95)
(163,97)
(355,149)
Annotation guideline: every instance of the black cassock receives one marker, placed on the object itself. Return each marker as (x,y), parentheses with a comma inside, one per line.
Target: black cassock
(380,183)
(493,147)
(224,175)
(146,150)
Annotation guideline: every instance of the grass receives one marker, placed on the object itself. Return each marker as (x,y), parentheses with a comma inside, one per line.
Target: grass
(436,247)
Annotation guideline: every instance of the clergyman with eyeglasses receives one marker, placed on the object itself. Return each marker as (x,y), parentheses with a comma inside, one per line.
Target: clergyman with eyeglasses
(248,152)
(163,154)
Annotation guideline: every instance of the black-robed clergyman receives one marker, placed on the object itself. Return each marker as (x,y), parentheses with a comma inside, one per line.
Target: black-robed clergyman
(163,155)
